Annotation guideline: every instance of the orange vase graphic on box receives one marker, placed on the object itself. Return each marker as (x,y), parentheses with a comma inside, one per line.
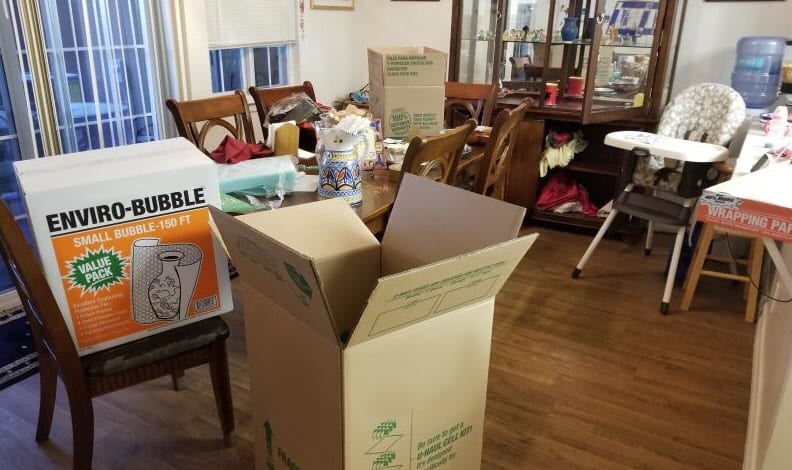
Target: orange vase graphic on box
(164,277)
(165,289)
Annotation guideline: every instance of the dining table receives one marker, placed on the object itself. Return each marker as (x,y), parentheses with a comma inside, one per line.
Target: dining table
(378,196)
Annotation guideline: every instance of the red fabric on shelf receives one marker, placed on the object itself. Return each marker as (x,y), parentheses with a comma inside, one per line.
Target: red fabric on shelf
(560,189)
(232,150)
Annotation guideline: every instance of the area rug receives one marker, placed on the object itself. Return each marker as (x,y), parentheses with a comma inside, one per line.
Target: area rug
(17,351)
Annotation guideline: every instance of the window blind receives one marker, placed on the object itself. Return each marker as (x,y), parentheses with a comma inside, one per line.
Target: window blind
(243,23)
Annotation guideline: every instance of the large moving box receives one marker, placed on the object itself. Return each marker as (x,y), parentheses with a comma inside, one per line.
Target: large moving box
(366,355)
(124,237)
(407,89)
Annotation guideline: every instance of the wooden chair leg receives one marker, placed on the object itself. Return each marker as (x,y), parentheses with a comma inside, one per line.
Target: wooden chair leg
(48,378)
(754,272)
(82,417)
(177,378)
(696,264)
(221,383)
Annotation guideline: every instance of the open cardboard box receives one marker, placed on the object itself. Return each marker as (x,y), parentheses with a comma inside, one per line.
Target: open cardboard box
(367,355)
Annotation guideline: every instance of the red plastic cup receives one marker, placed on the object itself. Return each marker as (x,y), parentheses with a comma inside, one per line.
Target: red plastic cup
(575,87)
(551,94)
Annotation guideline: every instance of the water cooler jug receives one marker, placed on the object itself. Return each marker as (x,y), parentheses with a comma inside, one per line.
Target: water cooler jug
(757,70)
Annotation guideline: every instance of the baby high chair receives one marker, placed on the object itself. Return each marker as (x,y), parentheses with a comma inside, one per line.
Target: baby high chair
(670,168)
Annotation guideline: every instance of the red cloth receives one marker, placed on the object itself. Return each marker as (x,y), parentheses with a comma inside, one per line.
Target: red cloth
(559,189)
(232,150)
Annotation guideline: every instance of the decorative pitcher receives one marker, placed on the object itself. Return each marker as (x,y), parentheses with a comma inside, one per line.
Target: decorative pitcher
(339,164)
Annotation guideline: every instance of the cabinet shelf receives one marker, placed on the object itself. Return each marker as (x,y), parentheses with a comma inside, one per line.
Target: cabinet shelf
(626,46)
(478,40)
(569,218)
(577,42)
(597,167)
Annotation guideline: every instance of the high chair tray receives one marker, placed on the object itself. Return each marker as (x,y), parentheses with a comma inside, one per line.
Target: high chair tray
(668,147)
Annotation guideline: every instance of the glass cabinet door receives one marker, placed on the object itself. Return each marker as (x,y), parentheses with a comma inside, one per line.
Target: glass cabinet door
(548,42)
(599,58)
(477,41)
(624,67)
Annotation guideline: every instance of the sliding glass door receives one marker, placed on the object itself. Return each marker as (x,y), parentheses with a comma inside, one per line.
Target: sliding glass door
(76,75)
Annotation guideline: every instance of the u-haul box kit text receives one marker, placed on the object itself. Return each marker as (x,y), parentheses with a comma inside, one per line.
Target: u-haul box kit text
(124,238)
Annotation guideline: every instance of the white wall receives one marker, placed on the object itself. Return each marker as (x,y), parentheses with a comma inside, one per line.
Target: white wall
(332,50)
(711,31)
(333,54)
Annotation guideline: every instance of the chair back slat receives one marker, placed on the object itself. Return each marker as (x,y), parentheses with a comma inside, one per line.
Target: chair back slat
(195,118)
(492,171)
(264,98)
(437,157)
(50,333)
(471,100)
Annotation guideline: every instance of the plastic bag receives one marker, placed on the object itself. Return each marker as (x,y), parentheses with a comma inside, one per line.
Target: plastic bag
(298,107)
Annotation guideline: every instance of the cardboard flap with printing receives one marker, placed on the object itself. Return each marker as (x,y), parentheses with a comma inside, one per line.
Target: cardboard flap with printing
(405,299)
(419,233)
(281,274)
(344,252)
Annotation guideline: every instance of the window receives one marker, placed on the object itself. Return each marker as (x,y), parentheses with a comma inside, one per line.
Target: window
(101,75)
(239,68)
(250,42)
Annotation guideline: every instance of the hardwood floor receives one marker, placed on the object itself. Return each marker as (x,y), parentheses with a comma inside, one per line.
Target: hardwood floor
(584,373)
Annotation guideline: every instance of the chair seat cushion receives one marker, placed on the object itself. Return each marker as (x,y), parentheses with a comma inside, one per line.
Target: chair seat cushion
(156,347)
(652,208)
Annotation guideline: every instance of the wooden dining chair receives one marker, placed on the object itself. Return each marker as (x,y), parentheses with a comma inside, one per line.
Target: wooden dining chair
(436,157)
(166,353)
(264,98)
(469,100)
(491,178)
(196,118)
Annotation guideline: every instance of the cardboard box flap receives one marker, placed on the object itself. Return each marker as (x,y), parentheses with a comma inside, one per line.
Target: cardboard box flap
(411,297)
(60,171)
(283,275)
(343,250)
(768,185)
(456,222)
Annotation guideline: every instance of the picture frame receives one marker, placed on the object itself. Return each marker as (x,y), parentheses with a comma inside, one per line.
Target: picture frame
(332,4)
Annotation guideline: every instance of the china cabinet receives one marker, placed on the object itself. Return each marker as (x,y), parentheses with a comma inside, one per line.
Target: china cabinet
(606,61)
(620,49)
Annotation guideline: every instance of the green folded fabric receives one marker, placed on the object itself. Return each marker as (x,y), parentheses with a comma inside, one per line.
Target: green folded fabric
(229,203)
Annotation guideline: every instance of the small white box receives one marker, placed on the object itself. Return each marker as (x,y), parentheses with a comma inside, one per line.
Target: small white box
(367,355)
(124,238)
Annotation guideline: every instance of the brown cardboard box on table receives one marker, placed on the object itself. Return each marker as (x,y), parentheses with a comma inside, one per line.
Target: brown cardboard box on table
(407,89)
(367,355)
